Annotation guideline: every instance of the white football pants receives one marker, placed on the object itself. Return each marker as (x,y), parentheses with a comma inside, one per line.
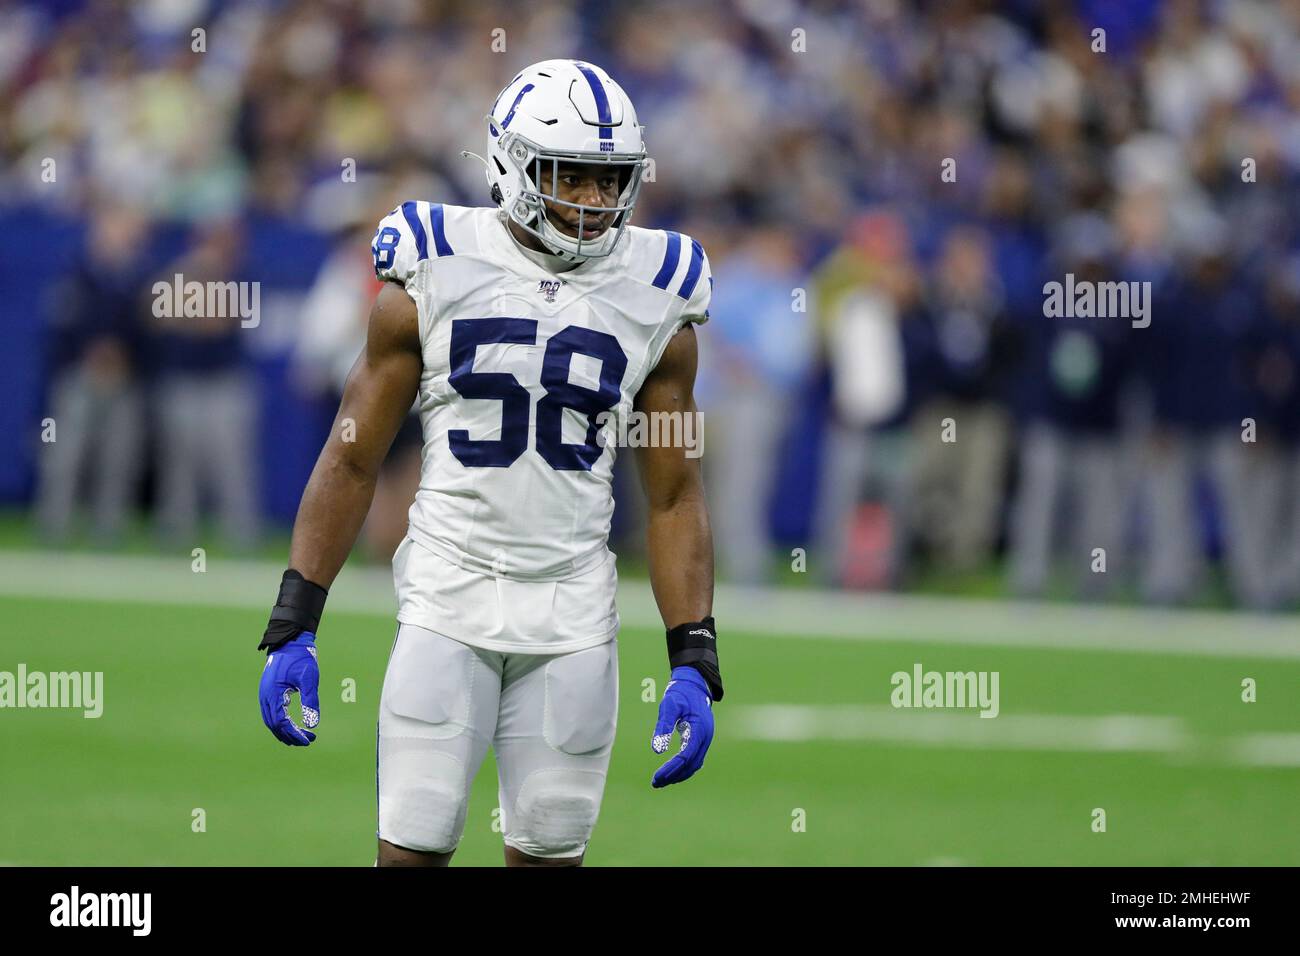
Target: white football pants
(549,718)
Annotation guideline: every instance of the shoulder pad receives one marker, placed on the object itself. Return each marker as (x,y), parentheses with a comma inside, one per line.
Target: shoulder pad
(411,233)
(684,271)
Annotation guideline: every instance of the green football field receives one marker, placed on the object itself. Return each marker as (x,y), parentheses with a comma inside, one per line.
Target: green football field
(810,764)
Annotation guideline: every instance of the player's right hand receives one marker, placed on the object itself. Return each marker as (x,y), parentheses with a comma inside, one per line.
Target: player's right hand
(291,667)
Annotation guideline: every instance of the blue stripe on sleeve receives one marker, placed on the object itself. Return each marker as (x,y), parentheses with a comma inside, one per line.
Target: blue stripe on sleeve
(671,257)
(439,233)
(413,220)
(693,272)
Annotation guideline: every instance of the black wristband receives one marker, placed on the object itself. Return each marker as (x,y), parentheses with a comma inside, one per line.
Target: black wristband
(297,609)
(696,645)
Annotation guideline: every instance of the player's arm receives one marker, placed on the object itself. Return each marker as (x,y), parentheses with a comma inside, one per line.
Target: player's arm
(379,392)
(376,399)
(680,547)
(680,543)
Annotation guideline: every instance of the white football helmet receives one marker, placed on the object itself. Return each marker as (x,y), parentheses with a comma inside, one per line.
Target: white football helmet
(563,111)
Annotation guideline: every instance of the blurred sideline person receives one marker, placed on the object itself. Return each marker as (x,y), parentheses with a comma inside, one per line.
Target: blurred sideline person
(515,328)
(205,404)
(865,294)
(961,431)
(1205,352)
(97,397)
(1071,498)
(756,360)
(1279,379)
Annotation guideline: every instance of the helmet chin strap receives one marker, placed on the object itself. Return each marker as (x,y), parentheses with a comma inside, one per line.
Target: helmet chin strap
(547,250)
(556,240)
(541,227)
(544,227)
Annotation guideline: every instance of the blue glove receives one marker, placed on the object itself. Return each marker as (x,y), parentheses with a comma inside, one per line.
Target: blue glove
(686,707)
(291,667)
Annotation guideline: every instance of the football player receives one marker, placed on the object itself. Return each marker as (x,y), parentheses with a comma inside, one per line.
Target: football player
(514,327)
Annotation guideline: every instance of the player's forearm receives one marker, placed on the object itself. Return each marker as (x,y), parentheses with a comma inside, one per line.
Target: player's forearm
(680,548)
(333,508)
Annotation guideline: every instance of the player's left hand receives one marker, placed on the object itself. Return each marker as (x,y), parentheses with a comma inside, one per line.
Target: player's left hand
(291,667)
(686,707)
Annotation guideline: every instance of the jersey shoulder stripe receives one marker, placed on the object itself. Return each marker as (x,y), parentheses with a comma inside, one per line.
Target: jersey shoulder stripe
(414,213)
(439,231)
(674,249)
(412,216)
(679,272)
(693,271)
(672,255)
(402,243)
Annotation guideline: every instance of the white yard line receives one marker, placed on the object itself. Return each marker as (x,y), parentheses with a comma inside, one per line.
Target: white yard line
(1268,750)
(966,730)
(759,611)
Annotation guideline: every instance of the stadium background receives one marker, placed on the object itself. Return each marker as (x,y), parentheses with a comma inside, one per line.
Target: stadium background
(812,170)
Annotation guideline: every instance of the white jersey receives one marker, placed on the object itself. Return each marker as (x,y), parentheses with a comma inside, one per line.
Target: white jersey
(519,362)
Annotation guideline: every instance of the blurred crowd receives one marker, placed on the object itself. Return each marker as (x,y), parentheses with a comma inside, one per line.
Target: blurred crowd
(883,188)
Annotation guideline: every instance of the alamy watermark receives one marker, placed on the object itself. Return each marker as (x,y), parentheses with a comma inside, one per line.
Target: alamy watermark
(1084,299)
(179,299)
(72,690)
(653,430)
(75,908)
(946,689)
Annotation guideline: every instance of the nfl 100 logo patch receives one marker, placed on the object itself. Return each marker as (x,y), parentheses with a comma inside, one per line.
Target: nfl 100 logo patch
(548,288)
